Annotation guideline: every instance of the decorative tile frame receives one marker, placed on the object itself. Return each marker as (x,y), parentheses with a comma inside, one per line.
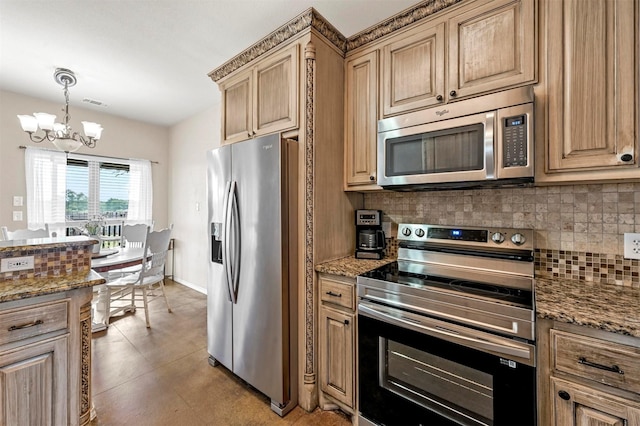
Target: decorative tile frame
(49,262)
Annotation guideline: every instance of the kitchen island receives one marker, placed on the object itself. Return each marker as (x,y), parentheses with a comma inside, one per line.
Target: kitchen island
(45,330)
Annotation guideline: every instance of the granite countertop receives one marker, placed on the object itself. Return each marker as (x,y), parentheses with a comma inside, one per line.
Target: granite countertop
(38,243)
(351,267)
(24,288)
(606,307)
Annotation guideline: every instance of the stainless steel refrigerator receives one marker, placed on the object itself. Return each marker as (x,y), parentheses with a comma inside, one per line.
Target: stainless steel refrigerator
(251,289)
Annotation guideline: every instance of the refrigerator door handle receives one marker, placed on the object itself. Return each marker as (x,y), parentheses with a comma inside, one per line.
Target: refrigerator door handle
(235,222)
(226,259)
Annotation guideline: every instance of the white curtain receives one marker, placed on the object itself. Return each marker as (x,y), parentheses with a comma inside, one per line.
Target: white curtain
(140,192)
(46,174)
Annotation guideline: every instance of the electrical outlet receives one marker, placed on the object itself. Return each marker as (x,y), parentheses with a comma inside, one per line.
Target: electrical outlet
(631,246)
(11,264)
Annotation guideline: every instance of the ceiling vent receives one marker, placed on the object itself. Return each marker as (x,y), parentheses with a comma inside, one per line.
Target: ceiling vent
(94,102)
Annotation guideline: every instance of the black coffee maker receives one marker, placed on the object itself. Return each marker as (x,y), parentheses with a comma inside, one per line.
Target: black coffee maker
(370,242)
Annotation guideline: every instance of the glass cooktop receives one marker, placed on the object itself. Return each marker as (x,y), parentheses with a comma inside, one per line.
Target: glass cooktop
(495,293)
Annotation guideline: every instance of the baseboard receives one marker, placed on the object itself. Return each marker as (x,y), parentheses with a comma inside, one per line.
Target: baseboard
(191,285)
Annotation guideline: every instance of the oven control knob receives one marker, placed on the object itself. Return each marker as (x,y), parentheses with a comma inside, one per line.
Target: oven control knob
(420,232)
(406,232)
(497,238)
(518,239)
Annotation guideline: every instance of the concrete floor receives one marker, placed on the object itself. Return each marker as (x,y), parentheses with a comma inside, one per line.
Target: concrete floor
(160,376)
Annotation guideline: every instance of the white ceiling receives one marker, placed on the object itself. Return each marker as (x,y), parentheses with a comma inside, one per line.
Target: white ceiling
(148,59)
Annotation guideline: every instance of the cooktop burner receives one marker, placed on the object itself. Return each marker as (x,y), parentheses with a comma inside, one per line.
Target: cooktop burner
(500,294)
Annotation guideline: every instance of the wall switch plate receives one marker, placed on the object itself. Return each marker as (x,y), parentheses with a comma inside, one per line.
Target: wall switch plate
(17,216)
(17,201)
(11,264)
(631,246)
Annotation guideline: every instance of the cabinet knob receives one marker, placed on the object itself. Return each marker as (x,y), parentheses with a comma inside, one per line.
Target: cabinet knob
(346,322)
(626,157)
(564,395)
(372,178)
(452,93)
(439,98)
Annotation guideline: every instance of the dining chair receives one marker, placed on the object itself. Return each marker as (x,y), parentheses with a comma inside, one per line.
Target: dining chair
(134,235)
(23,234)
(127,292)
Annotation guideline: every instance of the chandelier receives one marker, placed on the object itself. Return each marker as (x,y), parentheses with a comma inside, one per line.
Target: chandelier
(61,134)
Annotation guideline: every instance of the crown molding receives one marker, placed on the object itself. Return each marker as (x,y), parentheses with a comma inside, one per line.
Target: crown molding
(312,19)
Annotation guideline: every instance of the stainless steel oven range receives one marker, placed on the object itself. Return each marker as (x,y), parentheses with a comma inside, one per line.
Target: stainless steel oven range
(446,335)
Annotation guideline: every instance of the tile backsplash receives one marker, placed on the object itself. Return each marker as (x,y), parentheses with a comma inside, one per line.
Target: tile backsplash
(573,224)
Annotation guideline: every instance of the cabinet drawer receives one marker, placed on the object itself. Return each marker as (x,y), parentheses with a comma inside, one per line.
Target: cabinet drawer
(605,362)
(27,322)
(337,292)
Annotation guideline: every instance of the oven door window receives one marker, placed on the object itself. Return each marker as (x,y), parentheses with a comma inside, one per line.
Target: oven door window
(460,149)
(456,390)
(409,378)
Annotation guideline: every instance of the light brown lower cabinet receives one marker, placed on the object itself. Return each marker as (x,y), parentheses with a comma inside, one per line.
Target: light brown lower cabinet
(587,377)
(45,360)
(579,405)
(33,383)
(337,342)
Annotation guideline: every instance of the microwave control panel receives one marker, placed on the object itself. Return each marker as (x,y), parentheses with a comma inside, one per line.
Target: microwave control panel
(514,137)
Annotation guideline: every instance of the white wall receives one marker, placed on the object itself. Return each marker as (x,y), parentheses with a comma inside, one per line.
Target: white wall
(190,140)
(121,138)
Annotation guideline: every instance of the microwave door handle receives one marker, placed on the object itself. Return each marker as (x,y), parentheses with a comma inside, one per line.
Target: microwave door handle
(489,145)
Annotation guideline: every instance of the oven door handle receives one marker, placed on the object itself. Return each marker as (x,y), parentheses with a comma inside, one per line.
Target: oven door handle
(445,332)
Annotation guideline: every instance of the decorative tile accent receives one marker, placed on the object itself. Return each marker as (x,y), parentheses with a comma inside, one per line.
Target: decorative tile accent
(593,267)
(391,250)
(580,220)
(49,262)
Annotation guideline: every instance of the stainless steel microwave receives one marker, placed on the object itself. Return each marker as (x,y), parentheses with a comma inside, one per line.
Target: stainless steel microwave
(482,141)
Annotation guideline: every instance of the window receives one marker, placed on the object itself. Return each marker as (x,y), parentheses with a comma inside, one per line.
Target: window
(67,189)
(96,188)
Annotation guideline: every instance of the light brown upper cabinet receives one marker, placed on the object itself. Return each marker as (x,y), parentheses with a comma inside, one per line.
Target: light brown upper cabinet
(491,47)
(413,70)
(262,99)
(591,91)
(361,114)
(483,47)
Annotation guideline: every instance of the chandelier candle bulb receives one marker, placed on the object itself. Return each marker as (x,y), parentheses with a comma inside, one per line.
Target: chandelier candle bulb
(28,123)
(45,121)
(92,130)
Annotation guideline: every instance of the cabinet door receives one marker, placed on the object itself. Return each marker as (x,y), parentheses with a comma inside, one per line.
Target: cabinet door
(337,337)
(413,71)
(276,93)
(361,119)
(591,84)
(491,47)
(579,405)
(33,384)
(237,108)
